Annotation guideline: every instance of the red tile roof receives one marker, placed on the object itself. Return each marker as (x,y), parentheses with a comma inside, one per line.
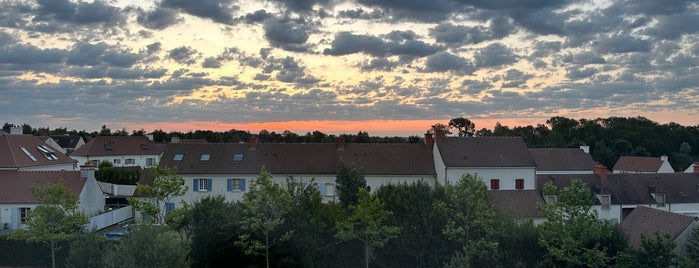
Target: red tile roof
(638,164)
(16,186)
(648,221)
(485,152)
(119,145)
(13,157)
(563,159)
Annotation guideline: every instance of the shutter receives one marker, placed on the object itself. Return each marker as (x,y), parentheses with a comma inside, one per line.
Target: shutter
(242,185)
(229,185)
(169,207)
(208,185)
(322,189)
(196,185)
(15,218)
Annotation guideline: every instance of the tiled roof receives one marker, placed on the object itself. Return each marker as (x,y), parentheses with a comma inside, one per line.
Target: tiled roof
(519,204)
(13,157)
(16,186)
(66,141)
(563,159)
(299,158)
(485,152)
(629,188)
(648,221)
(118,145)
(638,164)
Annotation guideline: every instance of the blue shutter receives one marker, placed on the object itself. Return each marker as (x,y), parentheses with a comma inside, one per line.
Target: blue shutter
(208,185)
(242,185)
(322,189)
(229,185)
(169,207)
(196,185)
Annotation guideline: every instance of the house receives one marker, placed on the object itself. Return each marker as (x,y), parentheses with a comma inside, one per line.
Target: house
(642,164)
(20,152)
(563,160)
(16,198)
(519,204)
(121,151)
(67,143)
(228,168)
(503,163)
(648,221)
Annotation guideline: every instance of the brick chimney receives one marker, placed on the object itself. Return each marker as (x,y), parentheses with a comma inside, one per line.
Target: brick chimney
(429,141)
(696,167)
(601,171)
(663,158)
(439,135)
(87,171)
(341,143)
(253,142)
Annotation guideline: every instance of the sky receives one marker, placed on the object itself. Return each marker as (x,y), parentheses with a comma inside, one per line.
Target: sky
(388,67)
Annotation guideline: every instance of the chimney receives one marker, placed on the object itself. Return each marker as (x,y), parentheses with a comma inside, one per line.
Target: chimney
(253,142)
(16,131)
(585,149)
(439,135)
(87,171)
(175,139)
(696,167)
(663,158)
(340,143)
(429,142)
(601,171)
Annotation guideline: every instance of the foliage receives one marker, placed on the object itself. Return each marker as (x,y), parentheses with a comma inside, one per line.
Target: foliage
(470,220)
(265,206)
(465,127)
(87,251)
(55,219)
(518,243)
(147,246)
(368,221)
(166,185)
(693,246)
(653,252)
(349,180)
(118,175)
(439,127)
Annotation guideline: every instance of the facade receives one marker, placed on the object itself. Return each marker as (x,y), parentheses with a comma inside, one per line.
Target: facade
(121,151)
(29,153)
(640,164)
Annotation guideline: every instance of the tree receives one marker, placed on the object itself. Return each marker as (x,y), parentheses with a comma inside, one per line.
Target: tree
(465,127)
(166,185)
(265,205)
(147,246)
(87,251)
(55,219)
(470,220)
(653,252)
(693,246)
(368,222)
(349,181)
(440,127)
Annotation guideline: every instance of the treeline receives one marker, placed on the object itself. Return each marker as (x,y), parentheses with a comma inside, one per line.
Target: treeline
(608,138)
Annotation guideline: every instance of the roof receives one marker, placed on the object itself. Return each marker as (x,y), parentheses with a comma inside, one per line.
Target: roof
(118,145)
(632,188)
(66,141)
(35,153)
(299,158)
(638,164)
(16,186)
(648,221)
(563,159)
(518,204)
(485,152)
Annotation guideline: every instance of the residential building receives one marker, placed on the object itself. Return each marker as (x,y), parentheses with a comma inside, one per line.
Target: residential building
(649,221)
(121,151)
(29,153)
(642,164)
(563,160)
(521,205)
(67,143)
(693,168)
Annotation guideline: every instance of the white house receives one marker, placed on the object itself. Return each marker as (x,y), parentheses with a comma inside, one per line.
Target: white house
(121,151)
(29,153)
(642,164)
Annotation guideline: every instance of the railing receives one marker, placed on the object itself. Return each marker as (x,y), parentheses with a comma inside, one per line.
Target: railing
(110,218)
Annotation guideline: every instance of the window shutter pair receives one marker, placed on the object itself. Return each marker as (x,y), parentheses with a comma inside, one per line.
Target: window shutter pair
(195,185)
(229,184)
(321,188)
(169,207)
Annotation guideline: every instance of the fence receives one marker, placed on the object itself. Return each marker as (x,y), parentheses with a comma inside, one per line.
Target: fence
(110,218)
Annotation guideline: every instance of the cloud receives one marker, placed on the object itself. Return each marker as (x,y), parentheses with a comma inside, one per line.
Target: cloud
(184,55)
(217,10)
(159,18)
(286,34)
(414,10)
(348,43)
(80,13)
(303,5)
(494,55)
(621,44)
(445,62)
(515,78)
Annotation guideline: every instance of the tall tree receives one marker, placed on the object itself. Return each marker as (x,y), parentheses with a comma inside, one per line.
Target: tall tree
(147,246)
(653,252)
(440,127)
(55,219)
(693,246)
(368,222)
(465,127)
(166,185)
(265,206)
(349,180)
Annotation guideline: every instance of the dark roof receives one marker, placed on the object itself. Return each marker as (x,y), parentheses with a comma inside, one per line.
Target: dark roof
(485,152)
(299,158)
(16,186)
(66,141)
(119,145)
(638,164)
(631,188)
(648,221)
(519,204)
(564,159)
(12,156)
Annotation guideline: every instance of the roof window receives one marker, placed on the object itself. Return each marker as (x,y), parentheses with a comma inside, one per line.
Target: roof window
(178,157)
(205,157)
(28,154)
(237,158)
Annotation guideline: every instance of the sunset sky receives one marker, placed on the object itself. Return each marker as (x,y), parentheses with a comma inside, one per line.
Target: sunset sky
(389,67)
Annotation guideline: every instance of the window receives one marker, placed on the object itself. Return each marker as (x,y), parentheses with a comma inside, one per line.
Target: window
(144,146)
(204,157)
(94,163)
(519,184)
(494,184)
(28,153)
(202,185)
(117,161)
(169,207)
(129,161)
(237,158)
(47,152)
(550,199)
(23,213)
(660,199)
(178,157)
(327,189)
(150,161)
(236,185)
(605,200)
(108,146)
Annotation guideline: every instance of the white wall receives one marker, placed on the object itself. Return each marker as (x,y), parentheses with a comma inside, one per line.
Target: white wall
(666,168)
(563,172)
(139,160)
(439,166)
(91,198)
(507,176)
(12,218)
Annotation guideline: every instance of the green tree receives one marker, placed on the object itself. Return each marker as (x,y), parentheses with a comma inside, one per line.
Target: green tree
(471,220)
(440,127)
(653,252)
(265,206)
(693,246)
(87,251)
(147,246)
(166,185)
(55,219)
(368,222)
(465,127)
(349,180)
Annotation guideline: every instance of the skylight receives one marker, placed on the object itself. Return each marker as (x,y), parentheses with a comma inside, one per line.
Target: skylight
(48,153)
(178,157)
(108,146)
(28,154)
(237,158)
(144,146)
(205,157)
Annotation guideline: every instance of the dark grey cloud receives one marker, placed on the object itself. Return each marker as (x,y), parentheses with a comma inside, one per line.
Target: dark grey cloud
(494,55)
(80,13)
(445,62)
(458,34)
(88,54)
(515,78)
(286,33)
(348,43)
(474,87)
(583,58)
(184,55)
(360,13)
(303,5)
(675,26)
(379,64)
(621,44)
(154,47)
(217,10)
(574,73)
(158,18)
(256,17)
(216,62)
(414,10)
(397,43)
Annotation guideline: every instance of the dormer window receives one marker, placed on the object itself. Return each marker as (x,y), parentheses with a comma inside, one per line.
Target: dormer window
(205,157)
(605,200)
(178,157)
(144,146)
(550,199)
(108,146)
(660,199)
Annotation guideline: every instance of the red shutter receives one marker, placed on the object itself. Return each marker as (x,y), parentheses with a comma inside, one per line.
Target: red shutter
(494,184)
(519,184)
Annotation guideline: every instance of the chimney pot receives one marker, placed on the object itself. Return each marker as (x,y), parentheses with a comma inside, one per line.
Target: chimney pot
(663,158)
(175,139)
(253,142)
(87,171)
(601,171)
(429,141)
(16,131)
(696,167)
(439,135)
(341,143)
